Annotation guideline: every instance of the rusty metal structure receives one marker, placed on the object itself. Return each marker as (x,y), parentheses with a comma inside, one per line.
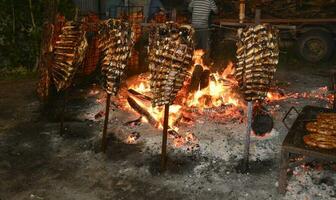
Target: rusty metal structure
(294,146)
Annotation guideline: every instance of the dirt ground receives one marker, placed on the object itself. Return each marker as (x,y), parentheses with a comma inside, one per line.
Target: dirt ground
(36,162)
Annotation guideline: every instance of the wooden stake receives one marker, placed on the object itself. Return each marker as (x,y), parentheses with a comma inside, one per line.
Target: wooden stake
(247,137)
(164,139)
(107,113)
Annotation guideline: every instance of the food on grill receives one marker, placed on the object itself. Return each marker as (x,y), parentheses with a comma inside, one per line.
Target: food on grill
(69,52)
(170,55)
(257,56)
(322,132)
(320,141)
(115,43)
(311,127)
(327,116)
(321,128)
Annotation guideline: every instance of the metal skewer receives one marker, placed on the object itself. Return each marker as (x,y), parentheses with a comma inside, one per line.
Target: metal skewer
(333,88)
(164,139)
(107,112)
(248,136)
(64,101)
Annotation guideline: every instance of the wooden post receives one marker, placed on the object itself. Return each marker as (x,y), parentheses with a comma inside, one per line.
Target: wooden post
(107,113)
(248,136)
(174,15)
(241,11)
(257,15)
(164,139)
(241,15)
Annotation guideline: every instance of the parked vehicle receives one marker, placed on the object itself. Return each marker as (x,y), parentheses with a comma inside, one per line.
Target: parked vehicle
(313,37)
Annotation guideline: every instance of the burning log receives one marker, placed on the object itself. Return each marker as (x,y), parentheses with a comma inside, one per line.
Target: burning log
(151,120)
(196,78)
(204,82)
(138,94)
(142,111)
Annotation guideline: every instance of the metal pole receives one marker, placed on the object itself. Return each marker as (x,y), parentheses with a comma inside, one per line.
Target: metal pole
(107,112)
(247,137)
(64,101)
(164,139)
(333,87)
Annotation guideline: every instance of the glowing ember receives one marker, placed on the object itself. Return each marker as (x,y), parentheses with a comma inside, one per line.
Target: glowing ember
(219,100)
(189,139)
(219,92)
(132,138)
(197,58)
(320,94)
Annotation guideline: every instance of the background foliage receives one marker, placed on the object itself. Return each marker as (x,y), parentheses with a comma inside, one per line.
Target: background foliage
(20,30)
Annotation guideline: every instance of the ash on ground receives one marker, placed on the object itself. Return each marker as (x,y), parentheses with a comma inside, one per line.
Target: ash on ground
(36,162)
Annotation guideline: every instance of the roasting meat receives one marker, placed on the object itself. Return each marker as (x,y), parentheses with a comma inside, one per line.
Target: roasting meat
(170,54)
(45,61)
(257,58)
(115,44)
(322,133)
(69,52)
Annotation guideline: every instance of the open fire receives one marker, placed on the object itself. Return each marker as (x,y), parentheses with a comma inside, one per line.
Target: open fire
(218,97)
(218,101)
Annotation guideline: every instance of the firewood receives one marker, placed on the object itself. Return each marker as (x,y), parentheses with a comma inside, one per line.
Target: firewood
(139,95)
(204,82)
(196,78)
(142,111)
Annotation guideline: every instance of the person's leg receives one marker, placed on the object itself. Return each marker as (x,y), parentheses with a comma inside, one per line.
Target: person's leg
(205,44)
(198,39)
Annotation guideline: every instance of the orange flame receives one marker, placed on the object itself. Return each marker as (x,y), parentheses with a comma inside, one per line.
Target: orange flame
(218,93)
